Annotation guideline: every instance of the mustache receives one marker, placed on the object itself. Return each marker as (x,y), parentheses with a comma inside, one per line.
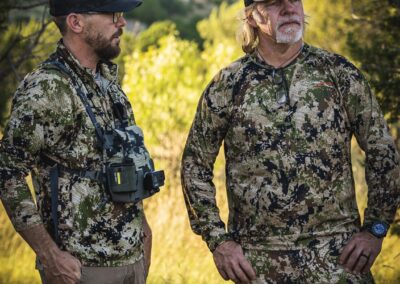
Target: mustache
(118,33)
(290,19)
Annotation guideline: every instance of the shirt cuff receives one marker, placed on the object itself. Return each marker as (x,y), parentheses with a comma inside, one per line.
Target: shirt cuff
(371,216)
(214,241)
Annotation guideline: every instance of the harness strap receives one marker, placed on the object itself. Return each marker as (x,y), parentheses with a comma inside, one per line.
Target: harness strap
(83,173)
(92,175)
(55,171)
(56,168)
(54,199)
(84,99)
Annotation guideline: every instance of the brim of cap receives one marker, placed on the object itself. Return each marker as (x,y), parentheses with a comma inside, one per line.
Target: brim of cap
(119,6)
(249,2)
(114,6)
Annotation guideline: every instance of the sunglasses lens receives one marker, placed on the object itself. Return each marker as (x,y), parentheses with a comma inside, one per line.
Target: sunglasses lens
(117,16)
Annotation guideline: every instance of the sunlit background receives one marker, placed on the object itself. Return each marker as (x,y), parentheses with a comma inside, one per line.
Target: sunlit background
(171,50)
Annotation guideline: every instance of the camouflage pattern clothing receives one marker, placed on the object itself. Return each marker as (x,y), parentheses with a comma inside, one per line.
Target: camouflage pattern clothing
(289,179)
(49,120)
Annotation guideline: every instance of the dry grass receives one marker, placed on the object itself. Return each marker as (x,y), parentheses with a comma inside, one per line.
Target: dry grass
(16,258)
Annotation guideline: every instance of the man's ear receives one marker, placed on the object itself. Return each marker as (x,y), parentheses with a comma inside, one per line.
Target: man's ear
(251,21)
(75,23)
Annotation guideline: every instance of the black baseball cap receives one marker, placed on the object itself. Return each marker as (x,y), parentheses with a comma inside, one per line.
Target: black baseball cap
(65,7)
(249,2)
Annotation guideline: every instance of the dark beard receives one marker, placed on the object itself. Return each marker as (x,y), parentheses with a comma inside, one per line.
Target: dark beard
(107,52)
(102,47)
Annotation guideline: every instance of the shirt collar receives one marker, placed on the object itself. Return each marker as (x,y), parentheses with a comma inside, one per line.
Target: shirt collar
(253,57)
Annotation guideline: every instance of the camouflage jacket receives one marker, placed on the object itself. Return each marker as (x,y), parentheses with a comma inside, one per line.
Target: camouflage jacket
(49,120)
(288,166)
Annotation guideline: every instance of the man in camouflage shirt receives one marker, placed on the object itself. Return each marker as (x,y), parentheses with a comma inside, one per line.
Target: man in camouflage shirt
(286,113)
(49,124)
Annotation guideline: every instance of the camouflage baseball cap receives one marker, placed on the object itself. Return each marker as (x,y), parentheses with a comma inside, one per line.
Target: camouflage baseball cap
(249,2)
(65,7)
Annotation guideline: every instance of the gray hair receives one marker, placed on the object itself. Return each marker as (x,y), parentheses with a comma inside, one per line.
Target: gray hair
(247,34)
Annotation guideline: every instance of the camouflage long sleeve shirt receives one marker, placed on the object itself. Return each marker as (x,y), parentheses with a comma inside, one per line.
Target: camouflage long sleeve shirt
(48,119)
(288,164)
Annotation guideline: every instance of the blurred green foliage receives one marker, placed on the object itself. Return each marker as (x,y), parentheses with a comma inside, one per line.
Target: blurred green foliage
(185,14)
(374,41)
(328,24)
(176,73)
(151,36)
(23,46)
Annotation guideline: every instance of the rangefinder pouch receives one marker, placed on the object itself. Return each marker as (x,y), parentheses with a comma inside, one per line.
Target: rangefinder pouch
(131,177)
(125,184)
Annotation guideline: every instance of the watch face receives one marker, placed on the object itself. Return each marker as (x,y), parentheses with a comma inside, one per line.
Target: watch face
(379,229)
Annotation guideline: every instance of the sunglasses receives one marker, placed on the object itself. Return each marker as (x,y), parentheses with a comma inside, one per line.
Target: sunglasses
(116,15)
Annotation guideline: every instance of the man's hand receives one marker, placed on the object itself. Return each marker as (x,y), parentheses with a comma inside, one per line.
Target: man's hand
(360,253)
(61,267)
(232,264)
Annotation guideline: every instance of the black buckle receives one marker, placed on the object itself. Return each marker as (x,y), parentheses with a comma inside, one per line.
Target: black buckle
(154,180)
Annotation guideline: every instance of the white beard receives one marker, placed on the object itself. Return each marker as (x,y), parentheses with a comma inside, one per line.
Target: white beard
(289,34)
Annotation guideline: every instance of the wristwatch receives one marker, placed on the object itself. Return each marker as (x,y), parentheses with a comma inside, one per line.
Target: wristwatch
(377,228)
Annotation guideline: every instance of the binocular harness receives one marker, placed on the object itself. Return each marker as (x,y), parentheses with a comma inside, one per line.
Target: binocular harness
(128,173)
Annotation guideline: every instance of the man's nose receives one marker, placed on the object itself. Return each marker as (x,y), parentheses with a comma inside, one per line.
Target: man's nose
(121,22)
(289,6)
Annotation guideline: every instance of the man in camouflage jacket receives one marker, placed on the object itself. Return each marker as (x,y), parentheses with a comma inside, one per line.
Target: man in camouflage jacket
(49,124)
(286,113)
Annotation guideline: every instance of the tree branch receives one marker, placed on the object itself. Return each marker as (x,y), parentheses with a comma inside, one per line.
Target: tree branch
(28,51)
(27,7)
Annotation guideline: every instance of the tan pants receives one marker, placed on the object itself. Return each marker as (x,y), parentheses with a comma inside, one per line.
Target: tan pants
(128,274)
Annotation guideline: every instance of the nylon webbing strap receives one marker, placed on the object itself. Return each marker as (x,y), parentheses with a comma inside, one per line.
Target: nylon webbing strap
(82,96)
(54,199)
(54,172)
(92,175)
